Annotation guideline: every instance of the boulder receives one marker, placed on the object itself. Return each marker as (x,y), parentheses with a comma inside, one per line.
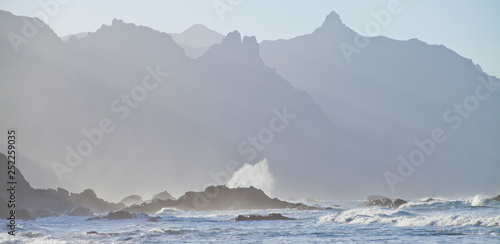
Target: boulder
(378,201)
(114,216)
(497,198)
(271,216)
(398,202)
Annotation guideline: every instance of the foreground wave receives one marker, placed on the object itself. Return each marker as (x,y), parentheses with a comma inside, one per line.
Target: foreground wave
(469,220)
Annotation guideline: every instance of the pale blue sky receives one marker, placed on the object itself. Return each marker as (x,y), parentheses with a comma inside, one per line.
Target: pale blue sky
(470,27)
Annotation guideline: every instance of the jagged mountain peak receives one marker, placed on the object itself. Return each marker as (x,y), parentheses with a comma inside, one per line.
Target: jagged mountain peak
(233,48)
(334,24)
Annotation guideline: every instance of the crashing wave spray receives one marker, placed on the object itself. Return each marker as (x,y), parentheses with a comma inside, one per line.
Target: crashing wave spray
(257,175)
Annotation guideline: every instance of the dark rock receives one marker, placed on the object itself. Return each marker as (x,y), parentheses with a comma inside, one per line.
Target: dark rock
(23,214)
(378,201)
(62,193)
(398,202)
(114,216)
(497,198)
(119,215)
(89,199)
(271,216)
(152,220)
(224,198)
(80,211)
(151,208)
(219,198)
(328,208)
(430,200)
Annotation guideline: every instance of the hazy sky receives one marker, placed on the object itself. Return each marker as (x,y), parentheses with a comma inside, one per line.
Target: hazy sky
(471,28)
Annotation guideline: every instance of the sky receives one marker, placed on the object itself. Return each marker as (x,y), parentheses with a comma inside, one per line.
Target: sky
(471,28)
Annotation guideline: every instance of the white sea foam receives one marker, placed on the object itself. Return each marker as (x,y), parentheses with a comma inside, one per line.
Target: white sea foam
(368,215)
(257,175)
(479,201)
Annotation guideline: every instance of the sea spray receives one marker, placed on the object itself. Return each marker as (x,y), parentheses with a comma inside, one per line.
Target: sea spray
(257,175)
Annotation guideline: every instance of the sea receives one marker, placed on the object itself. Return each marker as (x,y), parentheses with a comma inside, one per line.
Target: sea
(468,220)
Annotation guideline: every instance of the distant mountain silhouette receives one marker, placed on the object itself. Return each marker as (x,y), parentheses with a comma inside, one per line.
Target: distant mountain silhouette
(389,93)
(338,126)
(201,117)
(197,39)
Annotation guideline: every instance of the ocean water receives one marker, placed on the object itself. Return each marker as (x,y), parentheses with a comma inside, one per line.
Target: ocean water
(470,220)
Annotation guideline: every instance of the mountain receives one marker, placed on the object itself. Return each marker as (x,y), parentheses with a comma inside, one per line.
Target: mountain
(197,39)
(189,129)
(390,94)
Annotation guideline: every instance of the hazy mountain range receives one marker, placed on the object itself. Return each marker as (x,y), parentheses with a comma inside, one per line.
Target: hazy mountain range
(227,98)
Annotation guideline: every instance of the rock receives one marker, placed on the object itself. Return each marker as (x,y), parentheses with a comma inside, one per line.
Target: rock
(219,198)
(497,198)
(328,208)
(223,198)
(115,216)
(80,211)
(89,199)
(271,216)
(162,196)
(152,220)
(23,214)
(62,193)
(430,200)
(119,215)
(151,208)
(398,202)
(132,200)
(378,201)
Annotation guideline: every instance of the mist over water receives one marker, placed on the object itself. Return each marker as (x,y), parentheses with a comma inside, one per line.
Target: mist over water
(257,175)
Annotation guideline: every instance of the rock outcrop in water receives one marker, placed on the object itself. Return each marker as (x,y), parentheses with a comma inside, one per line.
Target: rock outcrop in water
(50,202)
(271,216)
(220,198)
(115,216)
(224,198)
(497,198)
(384,202)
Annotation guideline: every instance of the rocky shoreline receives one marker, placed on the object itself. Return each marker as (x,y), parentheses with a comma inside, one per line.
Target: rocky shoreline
(39,203)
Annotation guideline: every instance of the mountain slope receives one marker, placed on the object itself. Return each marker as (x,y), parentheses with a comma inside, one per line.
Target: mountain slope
(390,93)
